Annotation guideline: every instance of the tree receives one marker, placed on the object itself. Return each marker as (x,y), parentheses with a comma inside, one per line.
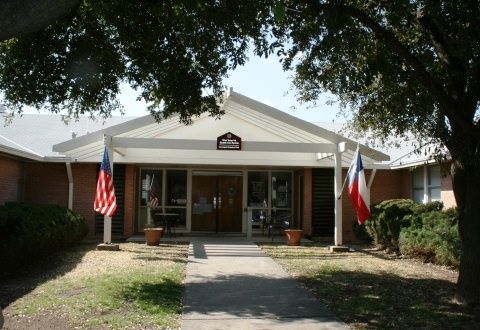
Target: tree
(406,66)
(19,18)
(176,53)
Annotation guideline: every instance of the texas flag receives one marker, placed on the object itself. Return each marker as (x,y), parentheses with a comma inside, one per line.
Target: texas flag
(357,189)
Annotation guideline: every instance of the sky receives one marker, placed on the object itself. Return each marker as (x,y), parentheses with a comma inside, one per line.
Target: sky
(263,80)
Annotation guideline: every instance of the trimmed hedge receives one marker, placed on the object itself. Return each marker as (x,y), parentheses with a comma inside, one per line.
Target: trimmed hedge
(388,218)
(433,237)
(31,231)
(421,231)
(391,216)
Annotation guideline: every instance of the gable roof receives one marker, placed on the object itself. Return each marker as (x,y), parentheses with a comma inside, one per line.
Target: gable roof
(268,123)
(33,135)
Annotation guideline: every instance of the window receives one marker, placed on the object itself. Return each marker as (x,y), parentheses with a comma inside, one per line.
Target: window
(434,183)
(151,181)
(432,186)
(282,189)
(177,195)
(176,188)
(257,189)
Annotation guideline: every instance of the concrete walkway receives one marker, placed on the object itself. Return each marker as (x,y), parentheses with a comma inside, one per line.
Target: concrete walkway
(232,284)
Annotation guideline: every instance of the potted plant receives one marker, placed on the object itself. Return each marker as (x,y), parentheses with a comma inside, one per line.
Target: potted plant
(294,236)
(152,234)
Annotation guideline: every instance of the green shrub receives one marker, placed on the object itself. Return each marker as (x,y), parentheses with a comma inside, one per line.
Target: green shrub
(360,232)
(388,218)
(30,231)
(391,216)
(433,238)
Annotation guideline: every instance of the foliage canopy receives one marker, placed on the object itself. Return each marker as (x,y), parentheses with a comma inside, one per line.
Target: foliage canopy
(175,52)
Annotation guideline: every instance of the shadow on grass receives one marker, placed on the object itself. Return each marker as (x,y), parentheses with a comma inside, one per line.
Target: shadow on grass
(155,298)
(18,280)
(389,301)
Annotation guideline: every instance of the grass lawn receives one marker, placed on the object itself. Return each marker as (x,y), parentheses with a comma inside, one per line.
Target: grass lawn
(369,289)
(139,287)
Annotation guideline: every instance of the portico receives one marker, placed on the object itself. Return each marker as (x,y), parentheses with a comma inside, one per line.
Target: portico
(206,184)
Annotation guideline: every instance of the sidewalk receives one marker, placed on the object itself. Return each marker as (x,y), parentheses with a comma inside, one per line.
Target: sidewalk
(232,284)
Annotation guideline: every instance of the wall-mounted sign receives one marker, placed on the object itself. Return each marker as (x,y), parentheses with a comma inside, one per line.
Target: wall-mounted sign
(229,141)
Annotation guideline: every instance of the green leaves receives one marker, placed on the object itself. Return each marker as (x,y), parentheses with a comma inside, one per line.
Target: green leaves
(279,11)
(175,53)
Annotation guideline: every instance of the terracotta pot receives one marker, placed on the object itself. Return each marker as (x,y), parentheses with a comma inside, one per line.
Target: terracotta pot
(294,236)
(153,235)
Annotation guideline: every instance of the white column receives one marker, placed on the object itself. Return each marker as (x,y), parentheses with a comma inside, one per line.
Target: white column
(247,215)
(107,221)
(425,185)
(338,198)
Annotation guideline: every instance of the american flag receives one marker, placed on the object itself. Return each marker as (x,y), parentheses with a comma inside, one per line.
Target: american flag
(153,196)
(105,200)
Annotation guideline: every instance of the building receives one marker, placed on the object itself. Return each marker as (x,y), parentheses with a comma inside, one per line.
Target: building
(219,175)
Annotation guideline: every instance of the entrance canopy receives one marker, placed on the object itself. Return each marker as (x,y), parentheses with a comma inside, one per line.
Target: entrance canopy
(250,133)
(269,137)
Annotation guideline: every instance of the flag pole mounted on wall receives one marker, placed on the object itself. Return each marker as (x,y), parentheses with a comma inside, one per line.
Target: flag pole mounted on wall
(105,199)
(358,191)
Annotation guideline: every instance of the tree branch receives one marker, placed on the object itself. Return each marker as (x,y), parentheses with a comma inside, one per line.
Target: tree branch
(18,18)
(391,40)
(440,44)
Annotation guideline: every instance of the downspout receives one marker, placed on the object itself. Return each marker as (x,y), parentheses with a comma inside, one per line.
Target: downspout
(372,176)
(70,185)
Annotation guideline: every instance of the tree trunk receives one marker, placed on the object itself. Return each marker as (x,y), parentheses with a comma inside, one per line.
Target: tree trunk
(466,186)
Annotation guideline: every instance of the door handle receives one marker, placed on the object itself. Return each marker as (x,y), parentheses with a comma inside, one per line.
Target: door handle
(214,202)
(220,201)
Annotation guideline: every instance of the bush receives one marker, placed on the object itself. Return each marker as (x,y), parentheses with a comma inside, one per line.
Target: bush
(388,218)
(30,231)
(391,216)
(360,232)
(433,237)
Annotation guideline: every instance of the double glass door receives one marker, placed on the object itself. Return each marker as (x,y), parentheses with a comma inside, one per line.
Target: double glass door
(217,203)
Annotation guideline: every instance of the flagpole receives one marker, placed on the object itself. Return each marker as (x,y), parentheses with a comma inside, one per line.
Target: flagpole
(348,172)
(107,221)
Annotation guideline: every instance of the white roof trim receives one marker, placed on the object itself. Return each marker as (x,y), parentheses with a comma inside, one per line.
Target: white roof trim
(231,97)
(413,163)
(20,153)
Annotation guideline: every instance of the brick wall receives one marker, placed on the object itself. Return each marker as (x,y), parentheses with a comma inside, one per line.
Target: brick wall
(10,179)
(387,184)
(84,186)
(46,183)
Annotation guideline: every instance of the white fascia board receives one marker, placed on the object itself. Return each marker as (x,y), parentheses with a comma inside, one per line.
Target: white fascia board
(189,144)
(98,135)
(20,153)
(306,126)
(376,166)
(413,163)
(50,159)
